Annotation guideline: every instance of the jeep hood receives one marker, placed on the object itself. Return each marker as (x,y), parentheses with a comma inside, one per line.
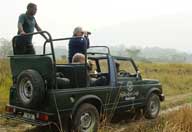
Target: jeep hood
(150,81)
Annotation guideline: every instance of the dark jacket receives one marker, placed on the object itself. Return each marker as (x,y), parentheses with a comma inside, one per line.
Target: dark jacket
(77,45)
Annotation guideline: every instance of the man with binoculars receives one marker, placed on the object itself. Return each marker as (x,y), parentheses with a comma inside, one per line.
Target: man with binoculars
(79,44)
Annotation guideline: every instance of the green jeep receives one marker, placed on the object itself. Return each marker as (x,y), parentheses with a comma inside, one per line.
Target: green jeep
(45,93)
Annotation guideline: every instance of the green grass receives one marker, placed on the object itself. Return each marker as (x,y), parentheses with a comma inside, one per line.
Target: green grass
(5,83)
(175,78)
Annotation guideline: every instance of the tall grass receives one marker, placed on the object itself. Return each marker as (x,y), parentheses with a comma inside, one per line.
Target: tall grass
(5,83)
(175,78)
(176,121)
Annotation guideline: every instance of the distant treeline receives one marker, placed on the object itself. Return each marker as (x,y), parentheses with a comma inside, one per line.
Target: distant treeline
(147,54)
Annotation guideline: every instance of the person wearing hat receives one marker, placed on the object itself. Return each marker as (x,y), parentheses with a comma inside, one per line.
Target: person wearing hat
(79,44)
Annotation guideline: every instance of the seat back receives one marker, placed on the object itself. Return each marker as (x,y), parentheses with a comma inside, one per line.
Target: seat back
(76,73)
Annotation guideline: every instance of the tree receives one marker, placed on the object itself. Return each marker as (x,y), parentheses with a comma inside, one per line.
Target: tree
(5,48)
(133,52)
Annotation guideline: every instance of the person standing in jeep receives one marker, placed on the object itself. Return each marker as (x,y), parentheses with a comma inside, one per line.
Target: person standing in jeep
(78,45)
(26,24)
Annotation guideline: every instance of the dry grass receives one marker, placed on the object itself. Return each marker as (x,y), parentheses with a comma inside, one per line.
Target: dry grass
(176,121)
(5,83)
(175,78)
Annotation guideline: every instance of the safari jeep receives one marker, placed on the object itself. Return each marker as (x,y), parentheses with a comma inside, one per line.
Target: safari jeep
(45,93)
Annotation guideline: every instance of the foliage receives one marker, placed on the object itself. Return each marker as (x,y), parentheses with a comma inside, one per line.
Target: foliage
(5,48)
(133,52)
(5,83)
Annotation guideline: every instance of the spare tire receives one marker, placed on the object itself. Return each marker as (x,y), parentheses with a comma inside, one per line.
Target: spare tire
(30,88)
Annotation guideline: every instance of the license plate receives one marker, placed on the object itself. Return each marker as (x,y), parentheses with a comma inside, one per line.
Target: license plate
(29,116)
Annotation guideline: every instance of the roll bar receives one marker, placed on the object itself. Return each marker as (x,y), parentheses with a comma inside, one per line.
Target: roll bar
(47,40)
(108,50)
(43,33)
(50,40)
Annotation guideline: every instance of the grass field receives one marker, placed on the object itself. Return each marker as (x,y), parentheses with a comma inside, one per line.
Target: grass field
(175,121)
(175,78)
(5,83)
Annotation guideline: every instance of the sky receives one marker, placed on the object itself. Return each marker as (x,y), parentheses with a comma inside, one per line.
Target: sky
(141,23)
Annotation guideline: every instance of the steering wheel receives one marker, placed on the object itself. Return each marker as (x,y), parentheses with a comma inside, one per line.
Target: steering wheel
(99,74)
(124,73)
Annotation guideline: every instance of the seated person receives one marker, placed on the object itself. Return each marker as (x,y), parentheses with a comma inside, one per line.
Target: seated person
(93,76)
(79,58)
(92,73)
(121,73)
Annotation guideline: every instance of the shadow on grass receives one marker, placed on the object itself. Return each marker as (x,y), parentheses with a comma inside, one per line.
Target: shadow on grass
(126,117)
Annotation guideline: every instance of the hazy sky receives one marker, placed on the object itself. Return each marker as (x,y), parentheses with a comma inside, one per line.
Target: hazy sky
(163,23)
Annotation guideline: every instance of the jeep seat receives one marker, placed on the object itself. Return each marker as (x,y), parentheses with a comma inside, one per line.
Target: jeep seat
(75,73)
(63,83)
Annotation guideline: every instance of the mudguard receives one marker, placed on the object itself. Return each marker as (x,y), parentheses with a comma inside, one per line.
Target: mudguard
(153,90)
(87,98)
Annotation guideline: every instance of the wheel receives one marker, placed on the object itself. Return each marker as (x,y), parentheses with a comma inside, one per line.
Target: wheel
(152,107)
(86,119)
(30,88)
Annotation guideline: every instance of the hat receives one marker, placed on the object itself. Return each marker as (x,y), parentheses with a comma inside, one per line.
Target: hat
(77,29)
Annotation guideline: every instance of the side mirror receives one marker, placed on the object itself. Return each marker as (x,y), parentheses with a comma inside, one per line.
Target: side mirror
(138,75)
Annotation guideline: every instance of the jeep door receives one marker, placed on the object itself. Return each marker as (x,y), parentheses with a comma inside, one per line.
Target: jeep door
(128,83)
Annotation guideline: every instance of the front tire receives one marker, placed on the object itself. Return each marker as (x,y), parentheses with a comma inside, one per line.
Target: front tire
(152,107)
(86,119)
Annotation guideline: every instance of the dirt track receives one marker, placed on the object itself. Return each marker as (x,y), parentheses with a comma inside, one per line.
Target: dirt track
(118,126)
(126,123)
